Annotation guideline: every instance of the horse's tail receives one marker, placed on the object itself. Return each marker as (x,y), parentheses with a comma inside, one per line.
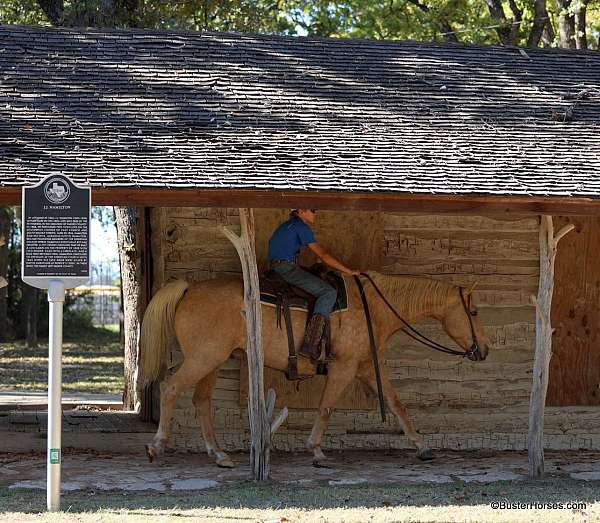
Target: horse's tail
(158,329)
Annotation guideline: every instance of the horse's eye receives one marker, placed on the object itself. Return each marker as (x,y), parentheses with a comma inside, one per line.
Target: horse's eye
(473,313)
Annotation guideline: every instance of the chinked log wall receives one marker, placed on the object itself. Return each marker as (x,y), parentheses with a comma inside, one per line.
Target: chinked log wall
(455,403)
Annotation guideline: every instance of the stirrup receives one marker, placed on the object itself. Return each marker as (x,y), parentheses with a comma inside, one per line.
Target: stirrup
(292,371)
(322,368)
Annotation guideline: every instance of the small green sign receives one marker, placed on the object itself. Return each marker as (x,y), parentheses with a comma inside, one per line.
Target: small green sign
(54,456)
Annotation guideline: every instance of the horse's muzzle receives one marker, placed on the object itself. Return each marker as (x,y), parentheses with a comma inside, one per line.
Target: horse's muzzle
(474,354)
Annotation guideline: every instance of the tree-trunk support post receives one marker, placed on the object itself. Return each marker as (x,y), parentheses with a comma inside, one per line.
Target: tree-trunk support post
(543,344)
(3,282)
(262,423)
(129,245)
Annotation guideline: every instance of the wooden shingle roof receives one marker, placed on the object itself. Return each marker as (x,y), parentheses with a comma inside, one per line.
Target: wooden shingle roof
(150,109)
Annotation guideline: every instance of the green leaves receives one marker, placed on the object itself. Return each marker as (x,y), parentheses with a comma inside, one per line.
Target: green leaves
(512,22)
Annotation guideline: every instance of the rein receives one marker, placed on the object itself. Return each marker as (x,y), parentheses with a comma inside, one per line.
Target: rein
(365,303)
(424,340)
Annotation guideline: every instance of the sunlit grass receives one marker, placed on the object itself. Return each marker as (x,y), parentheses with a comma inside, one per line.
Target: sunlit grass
(248,501)
(93,364)
(110,327)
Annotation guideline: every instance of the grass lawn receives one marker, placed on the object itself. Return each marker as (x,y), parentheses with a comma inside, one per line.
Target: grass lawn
(248,502)
(91,363)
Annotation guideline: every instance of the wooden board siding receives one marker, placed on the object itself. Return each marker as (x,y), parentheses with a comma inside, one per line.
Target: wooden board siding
(498,252)
(575,364)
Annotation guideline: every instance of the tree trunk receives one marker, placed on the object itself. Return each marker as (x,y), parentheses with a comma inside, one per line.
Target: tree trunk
(108,12)
(53,9)
(447,30)
(515,28)
(548,35)
(4,235)
(128,12)
(566,24)
(543,344)
(580,25)
(28,317)
(540,21)
(32,319)
(129,257)
(497,13)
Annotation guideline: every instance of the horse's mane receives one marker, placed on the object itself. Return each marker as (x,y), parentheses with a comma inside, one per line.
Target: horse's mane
(412,294)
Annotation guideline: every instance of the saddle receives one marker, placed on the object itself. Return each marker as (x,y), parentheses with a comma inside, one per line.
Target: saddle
(275,290)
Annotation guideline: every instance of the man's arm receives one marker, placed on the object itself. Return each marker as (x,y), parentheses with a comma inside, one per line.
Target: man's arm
(329,260)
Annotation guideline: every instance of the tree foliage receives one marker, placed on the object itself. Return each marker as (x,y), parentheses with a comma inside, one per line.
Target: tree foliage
(508,22)
(564,23)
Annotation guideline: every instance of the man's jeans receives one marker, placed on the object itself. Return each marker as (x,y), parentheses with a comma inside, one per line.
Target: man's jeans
(325,293)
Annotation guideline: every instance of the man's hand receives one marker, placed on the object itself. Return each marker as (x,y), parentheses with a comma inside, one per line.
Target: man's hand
(330,261)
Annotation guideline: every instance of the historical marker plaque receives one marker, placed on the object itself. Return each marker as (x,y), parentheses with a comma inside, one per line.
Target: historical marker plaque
(56,232)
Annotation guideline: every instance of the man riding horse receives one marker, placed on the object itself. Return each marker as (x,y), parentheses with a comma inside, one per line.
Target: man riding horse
(284,246)
(204,319)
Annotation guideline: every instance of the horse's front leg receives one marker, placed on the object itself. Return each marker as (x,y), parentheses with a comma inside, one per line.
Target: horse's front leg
(340,375)
(367,375)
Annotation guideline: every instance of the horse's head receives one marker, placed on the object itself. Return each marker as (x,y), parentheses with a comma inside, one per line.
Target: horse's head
(461,322)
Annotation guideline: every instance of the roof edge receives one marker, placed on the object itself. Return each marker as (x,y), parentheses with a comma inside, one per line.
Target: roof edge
(346,201)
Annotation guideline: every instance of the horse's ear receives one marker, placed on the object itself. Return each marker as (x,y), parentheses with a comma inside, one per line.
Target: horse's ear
(471,288)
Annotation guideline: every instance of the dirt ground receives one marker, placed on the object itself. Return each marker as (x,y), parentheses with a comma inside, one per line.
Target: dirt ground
(178,470)
(356,486)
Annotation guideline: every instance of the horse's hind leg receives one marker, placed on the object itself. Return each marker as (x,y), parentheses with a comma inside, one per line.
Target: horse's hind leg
(203,404)
(187,375)
(367,374)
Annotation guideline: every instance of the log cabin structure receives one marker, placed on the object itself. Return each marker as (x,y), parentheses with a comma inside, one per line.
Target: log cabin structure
(425,159)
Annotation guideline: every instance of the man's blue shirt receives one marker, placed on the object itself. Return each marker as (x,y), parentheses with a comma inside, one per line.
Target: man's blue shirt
(288,238)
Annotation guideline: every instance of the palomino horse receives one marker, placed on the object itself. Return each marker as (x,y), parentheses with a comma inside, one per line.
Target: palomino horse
(206,320)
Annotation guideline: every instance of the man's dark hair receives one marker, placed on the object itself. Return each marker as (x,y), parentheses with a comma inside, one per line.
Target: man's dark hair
(294,213)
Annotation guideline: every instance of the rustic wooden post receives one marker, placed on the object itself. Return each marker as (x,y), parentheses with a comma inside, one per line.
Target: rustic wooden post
(543,344)
(3,282)
(262,424)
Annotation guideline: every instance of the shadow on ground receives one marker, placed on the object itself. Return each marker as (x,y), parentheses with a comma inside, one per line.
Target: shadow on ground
(182,481)
(321,496)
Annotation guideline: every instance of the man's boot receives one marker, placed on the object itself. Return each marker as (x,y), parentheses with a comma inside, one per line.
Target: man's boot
(311,346)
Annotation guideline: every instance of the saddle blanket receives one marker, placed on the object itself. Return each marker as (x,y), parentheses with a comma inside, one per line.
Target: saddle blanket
(300,304)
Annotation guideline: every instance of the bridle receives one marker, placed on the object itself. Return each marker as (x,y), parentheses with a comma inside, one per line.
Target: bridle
(474,353)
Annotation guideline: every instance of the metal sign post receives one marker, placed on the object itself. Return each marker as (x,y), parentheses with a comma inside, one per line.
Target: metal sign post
(55,256)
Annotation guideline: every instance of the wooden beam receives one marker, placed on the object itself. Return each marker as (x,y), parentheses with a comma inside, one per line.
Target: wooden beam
(350,201)
(263,422)
(543,344)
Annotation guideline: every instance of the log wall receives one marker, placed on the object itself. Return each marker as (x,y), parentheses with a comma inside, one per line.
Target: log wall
(454,402)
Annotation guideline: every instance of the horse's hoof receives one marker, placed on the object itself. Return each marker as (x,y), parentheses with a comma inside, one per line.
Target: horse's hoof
(318,455)
(225,462)
(425,455)
(320,464)
(150,452)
